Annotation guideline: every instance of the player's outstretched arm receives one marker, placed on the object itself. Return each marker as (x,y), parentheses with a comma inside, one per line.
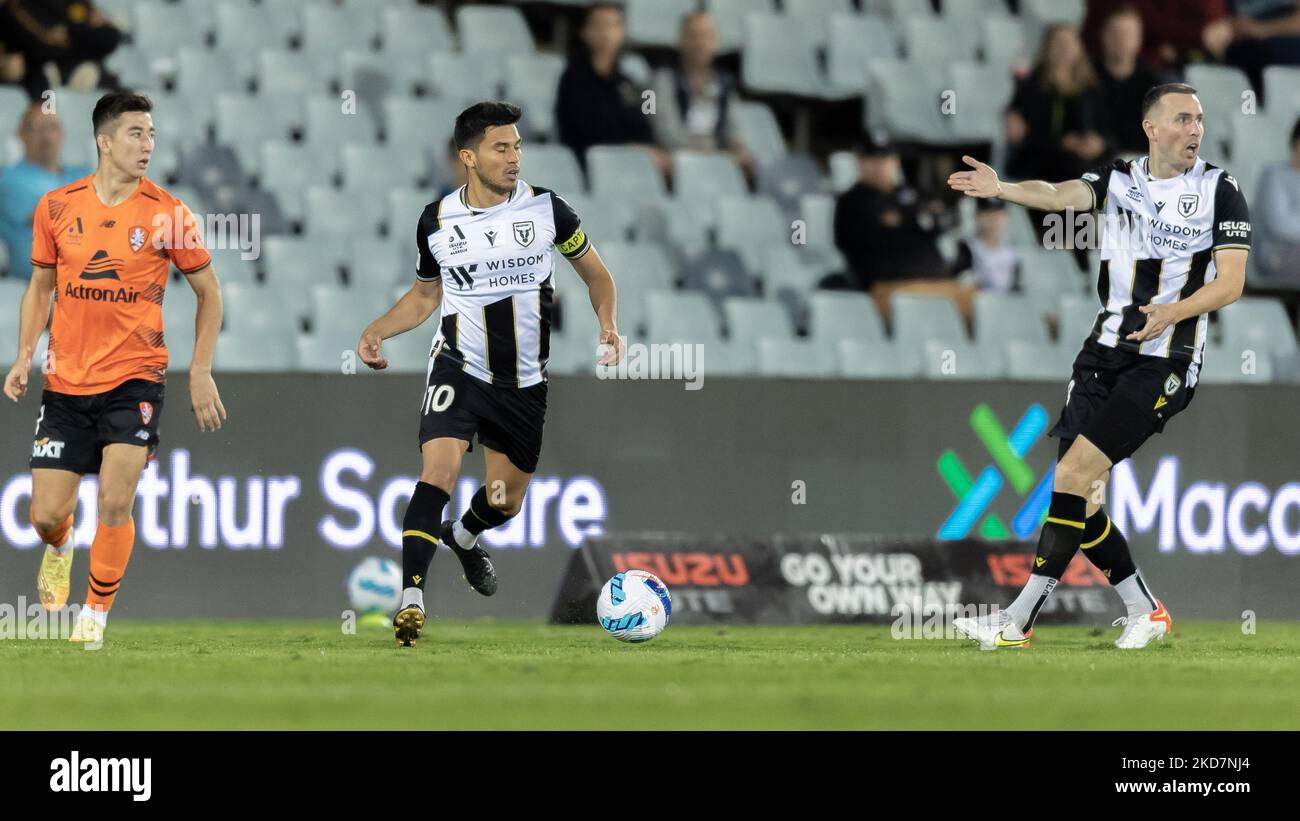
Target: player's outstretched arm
(205,401)
(33,313)
(415,306)
(604,298)
(1230,264)
(982,182)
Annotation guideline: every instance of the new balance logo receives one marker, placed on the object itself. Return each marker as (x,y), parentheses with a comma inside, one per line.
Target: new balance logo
(101,266)
(462,275)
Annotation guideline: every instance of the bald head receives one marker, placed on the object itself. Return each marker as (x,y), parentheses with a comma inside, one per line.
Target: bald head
(41,133)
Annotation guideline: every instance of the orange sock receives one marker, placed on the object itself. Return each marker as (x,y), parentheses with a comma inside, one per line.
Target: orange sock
(55,537)
(109,554)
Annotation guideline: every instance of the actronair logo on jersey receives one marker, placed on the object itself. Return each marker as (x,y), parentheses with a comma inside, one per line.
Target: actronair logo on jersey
(125,775)
(974,495)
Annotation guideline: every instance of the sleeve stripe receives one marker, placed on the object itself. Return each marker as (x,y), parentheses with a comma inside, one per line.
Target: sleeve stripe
(1221,247)
(40,264)
(196,268)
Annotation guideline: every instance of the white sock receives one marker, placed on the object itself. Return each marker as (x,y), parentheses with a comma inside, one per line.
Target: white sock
(100,617)
(464,539)
(412,596)
(61,551)
(1031,598)
(1137,599)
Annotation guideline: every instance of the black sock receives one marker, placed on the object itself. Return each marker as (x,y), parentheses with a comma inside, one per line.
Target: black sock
(482,516)
(420,533)
(1107,549)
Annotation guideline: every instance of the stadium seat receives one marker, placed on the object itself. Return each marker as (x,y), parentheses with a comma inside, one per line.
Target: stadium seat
(1002,317)
(463,79)
(1075,319)
(1004,44)
(135,68)
(815,18)
(794,359)
(680,316)
(292,265)
(1257,324)
(329,125)
(956,360)
(244,28)
(422,122)
(730,359)
(336,213)
(748,226)
(968,13)
(788,179)
(402,215)
(1033,362)
(818,214)
(900,10)
(606,218)
(877,359)
(701,179)
(758,129)
(718,272)
(1053,11)
(786,277)
(773,62)
(1282,93)
(750,318)
(656,22)
(1227,365)
(329,349)
(288,169)
(331,30)
(231,267)
(981,94)
(176,25)
(729,17)
(251,308)
(531,82)
(844,170)
(408,352)
(904,100)
(342,308)
(836,315)
(553,166)
(255,353)
(416,30)
(917,318)
(372,169)
(853,42)
(376,76)
(935,40)
(624,171)
(493,30)
(202,74)
(380,263)
(636,67)
(244,122)
(284,72)
(1220,92)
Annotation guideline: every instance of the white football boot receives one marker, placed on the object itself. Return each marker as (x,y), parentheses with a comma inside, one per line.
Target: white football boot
(1139,631)
(992,631)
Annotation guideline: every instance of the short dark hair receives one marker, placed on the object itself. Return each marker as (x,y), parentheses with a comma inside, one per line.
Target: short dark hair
(602,5)
(1295,132)
(116,103)
(474,122)
(1155,94)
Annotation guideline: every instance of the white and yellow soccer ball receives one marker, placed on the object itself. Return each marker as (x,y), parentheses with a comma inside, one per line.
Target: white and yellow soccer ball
(375,585)
(634,606)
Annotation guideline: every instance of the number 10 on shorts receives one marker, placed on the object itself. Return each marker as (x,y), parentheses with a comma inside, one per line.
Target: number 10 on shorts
(437,398)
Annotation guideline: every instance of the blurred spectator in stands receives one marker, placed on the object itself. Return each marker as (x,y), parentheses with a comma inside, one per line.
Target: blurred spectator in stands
(888,234)
(1276,218)
(23,183)
(1265,33)
(1123,79)
(1176,31)
(64,42)
(987,261)
(1054,122)
(597,104)
(693,101)
(12,67)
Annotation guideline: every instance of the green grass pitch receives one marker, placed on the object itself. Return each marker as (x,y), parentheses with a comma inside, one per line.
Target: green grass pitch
(519,675)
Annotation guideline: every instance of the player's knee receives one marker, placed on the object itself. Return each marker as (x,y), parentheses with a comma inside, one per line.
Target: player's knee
(507,507)
(115,508)
(45,519)
(1071,478)
(442,478)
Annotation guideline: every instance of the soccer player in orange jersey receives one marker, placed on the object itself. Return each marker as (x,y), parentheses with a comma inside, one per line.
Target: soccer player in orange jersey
(102,247)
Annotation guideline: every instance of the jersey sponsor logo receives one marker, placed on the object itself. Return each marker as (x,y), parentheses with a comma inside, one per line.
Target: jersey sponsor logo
(1234,228)
(1188,203)
(573,243)
(459,245)
(101,266)
(513,279)
(128,296)
(146,412)
(514,262)
(137,237)
(463,275)
(75,232)
(44,448)
(1134,194)
(1091,177)
(525,233)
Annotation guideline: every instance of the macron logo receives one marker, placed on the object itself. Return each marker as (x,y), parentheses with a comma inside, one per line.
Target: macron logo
(128,775)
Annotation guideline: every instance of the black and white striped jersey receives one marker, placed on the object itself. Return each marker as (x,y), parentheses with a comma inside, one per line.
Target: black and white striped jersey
(1158,238)
(497,270)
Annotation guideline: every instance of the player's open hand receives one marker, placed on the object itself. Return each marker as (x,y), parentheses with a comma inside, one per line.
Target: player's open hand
(370,350)
(982,182)
(16,381)
(206,403)
(1159,317)
(612,345)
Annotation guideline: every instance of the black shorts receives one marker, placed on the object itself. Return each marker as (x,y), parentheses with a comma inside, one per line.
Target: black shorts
(1118,399)
(509,420)
(71,430)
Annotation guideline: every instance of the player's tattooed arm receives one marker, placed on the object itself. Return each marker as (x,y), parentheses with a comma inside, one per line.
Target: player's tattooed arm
(415,306)
(982,182)
(1230,279)
(33,313)
(205,400)
(604,296)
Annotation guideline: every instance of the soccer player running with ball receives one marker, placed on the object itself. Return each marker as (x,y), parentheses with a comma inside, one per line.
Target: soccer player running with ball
(1183,237)
(485,253)
(103,247)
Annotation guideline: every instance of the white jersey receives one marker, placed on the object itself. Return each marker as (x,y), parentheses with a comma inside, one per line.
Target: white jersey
(497,270)
(1158,244)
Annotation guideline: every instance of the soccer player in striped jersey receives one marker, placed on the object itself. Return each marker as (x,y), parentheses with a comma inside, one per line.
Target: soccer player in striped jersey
(485,254)
(1175,236)
(102,246)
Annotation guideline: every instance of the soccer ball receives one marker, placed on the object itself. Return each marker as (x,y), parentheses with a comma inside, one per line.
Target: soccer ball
(375,585)
(634,606)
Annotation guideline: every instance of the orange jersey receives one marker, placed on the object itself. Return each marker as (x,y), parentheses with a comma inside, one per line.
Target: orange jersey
(111,267)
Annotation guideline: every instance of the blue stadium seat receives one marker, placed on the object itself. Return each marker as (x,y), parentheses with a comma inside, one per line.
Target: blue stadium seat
(816,18)
(379,264)
(624,171)
(656,22)
(328,126)
(981,95)
(244,122)
(681,316)
(795,359)
(936,40)
(758,130)
(416,30)
(877,359)
(553,166)
(422,122)
(853,42)
(749,226)
(463,79)
(180,27)
(336,213)
(280,71)
(836,315)
(402,215)
(750,318)
(531,82)
(719,273)
(773,62)
(370,169)
(729,17)
(243,28)
(288,169)
(332,30)
(700,179)
(493,30)
(789,179)
(904,100)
